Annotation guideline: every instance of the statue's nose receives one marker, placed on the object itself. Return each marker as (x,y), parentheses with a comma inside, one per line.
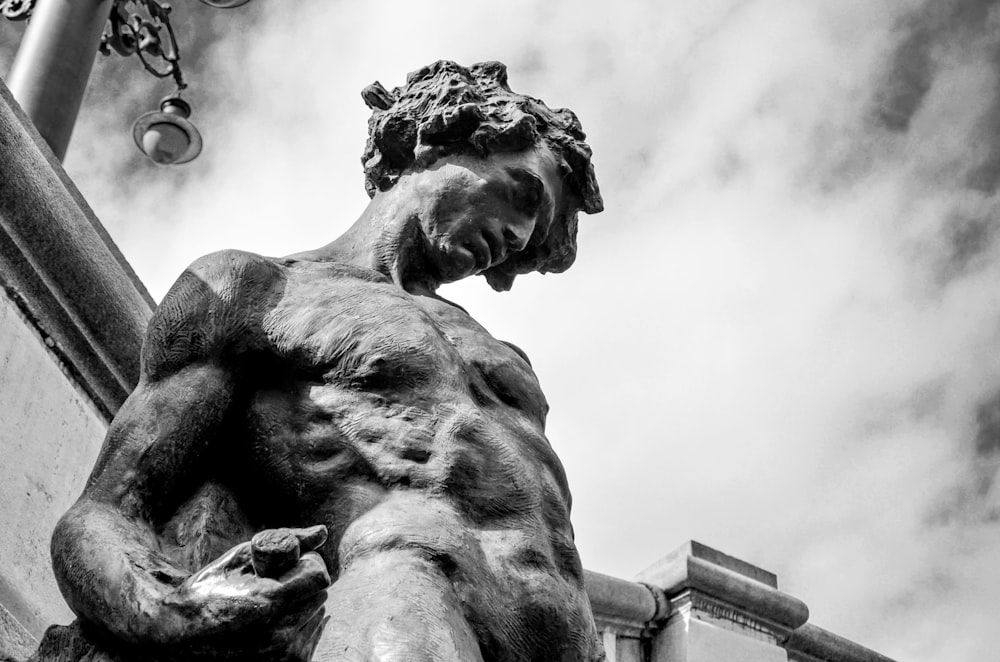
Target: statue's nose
(516,235)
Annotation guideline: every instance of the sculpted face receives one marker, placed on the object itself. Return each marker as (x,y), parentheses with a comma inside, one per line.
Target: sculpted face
(476,212)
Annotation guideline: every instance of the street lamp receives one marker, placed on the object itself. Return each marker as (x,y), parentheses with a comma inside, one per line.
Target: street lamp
(166,136)
(50,72)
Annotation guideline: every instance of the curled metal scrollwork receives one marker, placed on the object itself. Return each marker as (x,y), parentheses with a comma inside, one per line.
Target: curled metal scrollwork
(16,10)
(142,28)
(135,27)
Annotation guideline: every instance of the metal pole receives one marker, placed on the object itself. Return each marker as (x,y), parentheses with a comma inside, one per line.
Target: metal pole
(52,66)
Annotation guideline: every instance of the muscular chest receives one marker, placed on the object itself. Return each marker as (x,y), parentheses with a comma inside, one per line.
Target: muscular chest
(370,336)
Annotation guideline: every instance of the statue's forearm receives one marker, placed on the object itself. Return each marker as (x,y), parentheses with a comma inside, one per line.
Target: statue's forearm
(112,575)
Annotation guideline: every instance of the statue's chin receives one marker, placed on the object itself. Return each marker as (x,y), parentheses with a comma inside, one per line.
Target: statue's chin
(499,280)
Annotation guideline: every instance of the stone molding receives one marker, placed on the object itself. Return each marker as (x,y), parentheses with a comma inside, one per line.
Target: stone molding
(715,604)
(814,644)
(626,608)
(16,643)
(58,264)
(725,590)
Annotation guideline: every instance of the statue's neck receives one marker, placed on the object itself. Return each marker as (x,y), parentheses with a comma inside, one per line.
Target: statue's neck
(386,238)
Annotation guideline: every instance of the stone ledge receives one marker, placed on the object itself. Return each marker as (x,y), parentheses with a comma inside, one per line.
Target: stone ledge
(61,268)
(674,563)
(16,643)
(810,643)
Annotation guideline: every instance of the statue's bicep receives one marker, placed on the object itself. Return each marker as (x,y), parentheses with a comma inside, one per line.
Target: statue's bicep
(167,433)
(160,443)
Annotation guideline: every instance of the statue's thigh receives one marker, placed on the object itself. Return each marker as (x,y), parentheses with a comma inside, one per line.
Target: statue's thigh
(395,606)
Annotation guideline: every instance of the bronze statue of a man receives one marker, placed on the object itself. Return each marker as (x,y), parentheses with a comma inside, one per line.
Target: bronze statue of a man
(383,451)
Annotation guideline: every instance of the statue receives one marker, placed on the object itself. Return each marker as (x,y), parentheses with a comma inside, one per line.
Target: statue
(324,459)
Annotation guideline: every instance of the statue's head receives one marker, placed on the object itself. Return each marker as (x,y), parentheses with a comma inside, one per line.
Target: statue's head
(444,110)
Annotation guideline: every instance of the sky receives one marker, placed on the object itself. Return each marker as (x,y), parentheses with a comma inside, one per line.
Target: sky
(780,338)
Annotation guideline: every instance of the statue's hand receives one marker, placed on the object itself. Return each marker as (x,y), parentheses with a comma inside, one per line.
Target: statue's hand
(262,599)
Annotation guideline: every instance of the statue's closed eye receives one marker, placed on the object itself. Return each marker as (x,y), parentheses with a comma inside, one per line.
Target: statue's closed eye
(528,191)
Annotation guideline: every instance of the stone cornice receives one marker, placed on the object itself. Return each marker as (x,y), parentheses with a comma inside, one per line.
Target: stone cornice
(59,266)
(720,587)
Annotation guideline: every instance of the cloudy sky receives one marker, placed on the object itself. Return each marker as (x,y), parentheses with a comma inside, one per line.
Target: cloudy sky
(781,337)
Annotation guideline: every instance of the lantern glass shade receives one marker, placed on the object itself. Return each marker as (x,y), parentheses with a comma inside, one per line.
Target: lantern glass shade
(225,4)
(165,143)
(167,136)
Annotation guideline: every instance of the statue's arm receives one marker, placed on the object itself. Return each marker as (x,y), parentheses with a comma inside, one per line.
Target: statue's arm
(161,445)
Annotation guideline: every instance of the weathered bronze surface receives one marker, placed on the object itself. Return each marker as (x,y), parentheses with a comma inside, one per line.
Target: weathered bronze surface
(326,460)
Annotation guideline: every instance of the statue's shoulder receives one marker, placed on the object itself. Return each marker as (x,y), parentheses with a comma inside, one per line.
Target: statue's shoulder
(517,350)
(213,309)
(233,273)
(228,282)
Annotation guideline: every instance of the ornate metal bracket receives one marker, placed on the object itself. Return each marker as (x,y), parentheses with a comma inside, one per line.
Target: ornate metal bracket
(135,27)
(142,28)
(16,10)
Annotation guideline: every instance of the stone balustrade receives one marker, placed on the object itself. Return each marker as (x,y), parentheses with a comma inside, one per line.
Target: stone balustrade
(699,605)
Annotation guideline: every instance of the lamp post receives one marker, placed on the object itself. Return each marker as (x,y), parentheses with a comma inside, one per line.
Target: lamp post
(52,66)
(51,69)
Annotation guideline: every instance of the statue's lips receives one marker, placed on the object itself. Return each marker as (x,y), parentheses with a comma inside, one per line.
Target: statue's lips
(460,258)
(497,248)
(487,250)
(475,252)
(481,251)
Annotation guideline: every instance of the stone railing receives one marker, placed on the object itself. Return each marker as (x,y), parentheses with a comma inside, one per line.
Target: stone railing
(700,605)
(814,644)
(628,614)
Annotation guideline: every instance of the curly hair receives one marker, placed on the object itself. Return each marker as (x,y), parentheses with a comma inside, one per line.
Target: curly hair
(446,108)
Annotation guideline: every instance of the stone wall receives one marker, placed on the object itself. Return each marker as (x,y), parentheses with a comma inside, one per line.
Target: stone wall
(50,432)
(72,314)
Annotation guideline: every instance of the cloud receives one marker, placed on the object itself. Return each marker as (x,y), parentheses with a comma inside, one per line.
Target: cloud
(927,38)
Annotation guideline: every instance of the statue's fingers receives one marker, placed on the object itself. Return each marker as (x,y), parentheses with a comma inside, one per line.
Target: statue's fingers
(308,579)
(236,558)
(311,538)
(274,551)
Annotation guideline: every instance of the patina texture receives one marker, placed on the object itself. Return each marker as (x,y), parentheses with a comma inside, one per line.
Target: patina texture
(326,460)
